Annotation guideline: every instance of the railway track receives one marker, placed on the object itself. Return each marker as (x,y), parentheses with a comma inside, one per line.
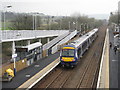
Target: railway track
(84,75)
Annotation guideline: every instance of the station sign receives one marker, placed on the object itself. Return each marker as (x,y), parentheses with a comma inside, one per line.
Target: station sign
(14,55)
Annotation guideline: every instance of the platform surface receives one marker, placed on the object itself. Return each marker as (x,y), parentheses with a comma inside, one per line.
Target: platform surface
(25,74)
(113,63)
(103,78)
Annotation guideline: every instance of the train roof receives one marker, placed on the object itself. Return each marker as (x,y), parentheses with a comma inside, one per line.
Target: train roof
(83,38)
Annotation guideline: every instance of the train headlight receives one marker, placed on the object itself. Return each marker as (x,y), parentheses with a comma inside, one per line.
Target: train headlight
(62,59)
(73,60)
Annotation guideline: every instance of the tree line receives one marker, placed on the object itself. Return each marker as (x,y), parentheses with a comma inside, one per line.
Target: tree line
(114,17)
(39,21)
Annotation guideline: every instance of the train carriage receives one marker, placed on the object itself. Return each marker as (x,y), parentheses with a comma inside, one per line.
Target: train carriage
(73,51)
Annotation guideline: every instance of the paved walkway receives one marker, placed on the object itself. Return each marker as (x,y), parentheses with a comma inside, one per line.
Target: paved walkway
(30,71)
(113,63)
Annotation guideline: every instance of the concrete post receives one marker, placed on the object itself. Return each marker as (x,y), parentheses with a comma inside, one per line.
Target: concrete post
(13,56)
(28,42)
(48,40)
(40,40)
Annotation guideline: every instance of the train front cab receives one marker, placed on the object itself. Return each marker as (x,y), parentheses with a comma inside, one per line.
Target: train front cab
(68,57)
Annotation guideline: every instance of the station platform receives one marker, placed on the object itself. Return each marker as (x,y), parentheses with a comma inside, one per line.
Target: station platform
(25,74)
(108,74)
(113,61)
(103,78)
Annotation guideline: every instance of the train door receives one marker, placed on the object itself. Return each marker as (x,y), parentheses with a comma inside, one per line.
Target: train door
(79,52)
(84,46)
(92,38)
(88,43)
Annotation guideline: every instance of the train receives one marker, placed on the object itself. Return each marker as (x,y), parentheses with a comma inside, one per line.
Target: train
(70,53)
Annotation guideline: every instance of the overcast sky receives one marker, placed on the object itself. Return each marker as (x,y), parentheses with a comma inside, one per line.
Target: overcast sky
(63,7)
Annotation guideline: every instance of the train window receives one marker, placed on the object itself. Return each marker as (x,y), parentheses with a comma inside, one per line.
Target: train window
(92,37)
(79,52)
(68,52)
(88,41)
(84,45)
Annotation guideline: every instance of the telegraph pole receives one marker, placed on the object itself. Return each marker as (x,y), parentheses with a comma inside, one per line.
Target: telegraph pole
(5,8)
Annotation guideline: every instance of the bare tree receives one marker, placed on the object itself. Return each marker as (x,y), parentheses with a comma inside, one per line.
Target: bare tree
(25,22)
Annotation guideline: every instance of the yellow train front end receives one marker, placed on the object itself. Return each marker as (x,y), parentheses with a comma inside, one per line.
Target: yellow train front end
(68,56)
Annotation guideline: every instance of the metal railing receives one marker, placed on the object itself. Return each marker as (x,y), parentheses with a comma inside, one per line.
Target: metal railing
(68,37)
(52,42)
(65,40)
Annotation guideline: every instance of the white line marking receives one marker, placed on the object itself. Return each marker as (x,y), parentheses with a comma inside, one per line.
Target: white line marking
(37,66)
(114,60)
(42,76)
(27,75)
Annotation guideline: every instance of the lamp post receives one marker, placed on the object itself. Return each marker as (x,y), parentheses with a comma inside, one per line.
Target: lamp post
(14,55)
(50,18)
(4,14)
(74,25)
(69,25)
(60,24)
(48,22)
(81,27)
(35,21)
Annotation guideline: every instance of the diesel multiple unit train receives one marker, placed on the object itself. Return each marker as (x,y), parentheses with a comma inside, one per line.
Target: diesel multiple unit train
(70,53)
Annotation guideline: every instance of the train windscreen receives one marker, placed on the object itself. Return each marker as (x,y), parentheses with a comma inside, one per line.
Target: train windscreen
(68,52)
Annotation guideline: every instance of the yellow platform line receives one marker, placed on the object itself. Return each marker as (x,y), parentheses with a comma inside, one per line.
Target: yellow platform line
(37,77)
